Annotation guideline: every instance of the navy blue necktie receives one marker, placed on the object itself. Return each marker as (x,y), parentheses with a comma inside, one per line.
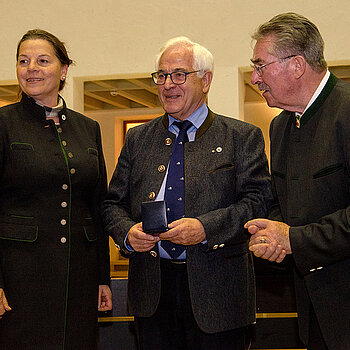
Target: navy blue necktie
(175,186)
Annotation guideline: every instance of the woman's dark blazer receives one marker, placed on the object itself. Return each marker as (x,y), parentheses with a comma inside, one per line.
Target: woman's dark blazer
(53,252)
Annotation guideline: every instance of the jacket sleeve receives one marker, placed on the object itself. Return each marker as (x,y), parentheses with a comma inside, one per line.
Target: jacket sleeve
(99,195)
(2,143)
(323,243)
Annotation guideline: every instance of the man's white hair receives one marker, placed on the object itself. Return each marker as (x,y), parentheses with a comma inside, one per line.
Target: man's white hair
(203,60)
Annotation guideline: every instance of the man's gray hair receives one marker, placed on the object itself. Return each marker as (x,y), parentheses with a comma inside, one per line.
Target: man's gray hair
(294,35)
(203,60)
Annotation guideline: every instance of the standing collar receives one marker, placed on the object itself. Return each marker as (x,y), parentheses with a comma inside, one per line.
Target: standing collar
(33,109)
(54,109)
(318,90)
(319,99)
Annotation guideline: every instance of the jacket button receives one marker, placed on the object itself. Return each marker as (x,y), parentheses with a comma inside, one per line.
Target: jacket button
(72,171)
(64,143)
(151,195)
(64,204)
(63,222)
(168,141)
(70,155)
(153,253)
(63,239)
(64,117)
(64,186)
(215,246)
(59,130)
(161,168)
(222,245)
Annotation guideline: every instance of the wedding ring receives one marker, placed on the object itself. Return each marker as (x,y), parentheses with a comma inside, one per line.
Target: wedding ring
(262,240)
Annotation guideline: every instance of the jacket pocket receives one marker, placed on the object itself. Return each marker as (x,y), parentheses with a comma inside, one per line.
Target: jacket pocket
(222,167)
(90,232)
(278,174)
(19,232)
(93,151)
(328,170)
(21,146)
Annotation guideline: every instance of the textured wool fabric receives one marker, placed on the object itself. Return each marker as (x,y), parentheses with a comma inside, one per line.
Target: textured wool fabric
(226,184)
(310,173)
(53,253)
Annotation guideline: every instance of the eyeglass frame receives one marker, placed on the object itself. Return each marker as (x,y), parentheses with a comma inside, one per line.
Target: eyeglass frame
(171,78)
(259,67)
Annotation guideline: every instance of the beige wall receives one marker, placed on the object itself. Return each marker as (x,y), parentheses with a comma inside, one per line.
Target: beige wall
(111,38)
(261,115)
(107,37)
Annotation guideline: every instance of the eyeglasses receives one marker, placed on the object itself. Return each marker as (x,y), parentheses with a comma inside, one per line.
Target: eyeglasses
(177,78)
(259,67)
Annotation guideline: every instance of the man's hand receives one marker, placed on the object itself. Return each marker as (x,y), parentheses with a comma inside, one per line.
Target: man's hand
(140,241)
(104,298)
(186,231)
(4,306)
(270,239)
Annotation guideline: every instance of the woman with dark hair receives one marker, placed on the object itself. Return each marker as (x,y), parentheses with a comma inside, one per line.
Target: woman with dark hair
(54,257)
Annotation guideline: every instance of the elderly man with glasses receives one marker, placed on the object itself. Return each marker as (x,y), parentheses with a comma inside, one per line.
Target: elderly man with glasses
(192,286)
(310,165)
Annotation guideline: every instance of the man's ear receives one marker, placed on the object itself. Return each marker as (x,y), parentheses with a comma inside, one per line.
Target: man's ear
(299,63)
(206,79)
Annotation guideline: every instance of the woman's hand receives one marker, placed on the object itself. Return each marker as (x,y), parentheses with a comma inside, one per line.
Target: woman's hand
(104,298)
(4,306)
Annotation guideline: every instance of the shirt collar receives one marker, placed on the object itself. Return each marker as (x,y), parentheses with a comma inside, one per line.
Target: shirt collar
(197,118)
(317,92)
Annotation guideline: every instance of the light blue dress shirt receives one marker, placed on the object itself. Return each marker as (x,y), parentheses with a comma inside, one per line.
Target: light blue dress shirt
(197,118)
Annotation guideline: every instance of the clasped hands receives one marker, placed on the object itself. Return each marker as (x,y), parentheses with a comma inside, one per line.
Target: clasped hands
(269,240)
(186,231)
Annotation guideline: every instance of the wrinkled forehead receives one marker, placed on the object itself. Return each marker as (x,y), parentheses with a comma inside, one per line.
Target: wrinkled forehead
(178,56)
(263,49)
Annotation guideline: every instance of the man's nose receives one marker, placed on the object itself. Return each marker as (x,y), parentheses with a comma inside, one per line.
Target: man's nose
(256,78)
(168,82)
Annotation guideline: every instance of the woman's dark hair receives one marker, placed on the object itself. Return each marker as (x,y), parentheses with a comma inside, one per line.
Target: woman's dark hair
(59,47)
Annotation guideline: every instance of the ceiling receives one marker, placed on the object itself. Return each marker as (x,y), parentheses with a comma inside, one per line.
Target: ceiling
(139,93)
(120,94)
(112,94)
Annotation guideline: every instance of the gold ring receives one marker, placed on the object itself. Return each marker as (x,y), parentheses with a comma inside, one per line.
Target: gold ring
(262,240)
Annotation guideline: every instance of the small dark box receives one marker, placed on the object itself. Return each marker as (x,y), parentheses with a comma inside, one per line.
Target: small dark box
(154,220)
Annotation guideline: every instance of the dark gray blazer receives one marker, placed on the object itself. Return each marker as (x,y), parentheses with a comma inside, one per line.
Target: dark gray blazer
(52,245)
(310,171)
(226,184)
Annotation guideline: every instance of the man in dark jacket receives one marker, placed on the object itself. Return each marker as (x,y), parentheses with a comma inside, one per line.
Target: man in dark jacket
(204,296)
(310,162)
